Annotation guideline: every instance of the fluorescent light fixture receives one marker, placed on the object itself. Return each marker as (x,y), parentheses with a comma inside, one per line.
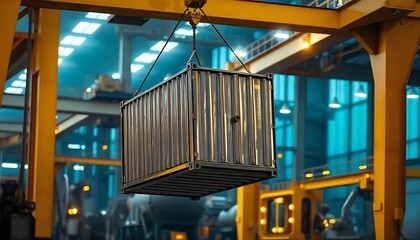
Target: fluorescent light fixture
(78,167)
(159,45)
(412,94)
(13,90)
(240,53)
(19,83)
(185,32)
(281,35)
(86,27)
(201,24)
(146,57)
(75,146)
(116,76)
(59,60)
(22,76)
(334,103)
(285,109)
(103,212)
(360,93)
(26,166)
(9,165)
(73,40)
(136,67)
(65,52)
(99,16)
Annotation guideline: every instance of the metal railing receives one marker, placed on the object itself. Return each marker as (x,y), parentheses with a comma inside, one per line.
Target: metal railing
(338,169)
(276,186)
(328,3)
(266,42)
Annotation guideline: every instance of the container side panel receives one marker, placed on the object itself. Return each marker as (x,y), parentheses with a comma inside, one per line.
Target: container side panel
(219,113)
(258,133)
(228,109)
(185,118)
(126,142)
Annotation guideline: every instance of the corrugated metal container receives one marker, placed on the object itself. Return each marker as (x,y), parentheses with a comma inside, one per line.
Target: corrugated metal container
(200,132)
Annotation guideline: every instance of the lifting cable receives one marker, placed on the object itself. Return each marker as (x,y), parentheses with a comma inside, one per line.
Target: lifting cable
(224,40)
(194,19)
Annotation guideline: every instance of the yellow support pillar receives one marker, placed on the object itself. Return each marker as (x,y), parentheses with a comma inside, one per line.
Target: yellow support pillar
(391,65)
(42,129)
(247,217)
(10,13)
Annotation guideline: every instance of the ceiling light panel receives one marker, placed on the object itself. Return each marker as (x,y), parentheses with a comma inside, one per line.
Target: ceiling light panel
(136,67)
(65,52)
(9,165)
(116,76)
(19,83)
(184,32)
(201,24)
(146,57)
(240,53)
(73,40)
(99,16)
(86,27)
(158,46)
(13,90)
(281,35)
(22,76)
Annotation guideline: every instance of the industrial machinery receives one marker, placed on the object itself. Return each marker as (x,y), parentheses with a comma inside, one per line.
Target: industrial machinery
(16,220)
(105,87)
(226,223)
(343,228)
(159,217)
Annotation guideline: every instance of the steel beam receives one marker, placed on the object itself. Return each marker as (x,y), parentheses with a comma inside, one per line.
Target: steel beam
(42,125)
(391,69)
(10,14)
(291,52)
(67,160)
(337,181)
(10,127)
(248,13)
(66,105)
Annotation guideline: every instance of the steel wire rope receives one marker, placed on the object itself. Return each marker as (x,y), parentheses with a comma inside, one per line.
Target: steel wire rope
(160,53)
(224,40)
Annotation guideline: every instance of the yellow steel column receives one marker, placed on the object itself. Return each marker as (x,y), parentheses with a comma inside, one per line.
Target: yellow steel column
(42,135)
(398,42)
(10,12)
(247,217)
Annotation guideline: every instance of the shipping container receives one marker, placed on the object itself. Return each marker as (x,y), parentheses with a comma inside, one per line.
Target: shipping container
(200,132)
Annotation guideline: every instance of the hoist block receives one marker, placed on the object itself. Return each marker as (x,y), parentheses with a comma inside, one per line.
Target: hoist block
(200,132)
(195,3)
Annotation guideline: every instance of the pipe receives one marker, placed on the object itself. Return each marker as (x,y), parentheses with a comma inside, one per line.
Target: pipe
(348,203)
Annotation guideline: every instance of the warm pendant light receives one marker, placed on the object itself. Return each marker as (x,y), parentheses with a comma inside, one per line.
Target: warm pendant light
(412,93)
(360,92)
(285,109)
(334,103)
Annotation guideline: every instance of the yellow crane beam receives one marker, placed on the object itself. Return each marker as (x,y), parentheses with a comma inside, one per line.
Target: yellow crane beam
(42,124)
(10,13)
(250,13)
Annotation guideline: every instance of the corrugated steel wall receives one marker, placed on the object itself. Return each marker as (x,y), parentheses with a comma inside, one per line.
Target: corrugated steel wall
(199,115)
